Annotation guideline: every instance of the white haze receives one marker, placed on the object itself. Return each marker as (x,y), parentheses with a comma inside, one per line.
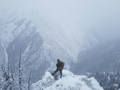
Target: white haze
(71,23)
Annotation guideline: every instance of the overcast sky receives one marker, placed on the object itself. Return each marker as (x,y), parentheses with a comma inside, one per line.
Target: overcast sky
(82,15)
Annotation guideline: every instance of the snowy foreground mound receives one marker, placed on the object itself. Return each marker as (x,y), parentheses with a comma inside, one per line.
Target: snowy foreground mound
(68,82)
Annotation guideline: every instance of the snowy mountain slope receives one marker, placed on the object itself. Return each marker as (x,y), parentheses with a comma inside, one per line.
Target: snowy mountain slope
(40,46)
(37,53)
(74,26)
(9,29)
(103,58)
(46,31)
(68,82)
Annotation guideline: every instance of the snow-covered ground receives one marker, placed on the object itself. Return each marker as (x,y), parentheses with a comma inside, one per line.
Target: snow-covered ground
(68,82)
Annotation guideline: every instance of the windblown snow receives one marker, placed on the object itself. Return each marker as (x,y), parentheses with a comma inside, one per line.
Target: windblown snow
(69,81)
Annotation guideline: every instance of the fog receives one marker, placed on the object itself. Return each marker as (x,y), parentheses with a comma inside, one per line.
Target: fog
(75,21)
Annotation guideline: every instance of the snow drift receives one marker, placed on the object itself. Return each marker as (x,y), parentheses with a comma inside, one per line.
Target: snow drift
(68,82)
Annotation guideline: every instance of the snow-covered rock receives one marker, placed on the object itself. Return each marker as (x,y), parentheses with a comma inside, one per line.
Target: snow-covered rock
(69,81)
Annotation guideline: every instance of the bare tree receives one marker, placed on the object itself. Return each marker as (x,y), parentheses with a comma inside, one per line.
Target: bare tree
(7,81)
(12,79)
(29,81)
(20,73)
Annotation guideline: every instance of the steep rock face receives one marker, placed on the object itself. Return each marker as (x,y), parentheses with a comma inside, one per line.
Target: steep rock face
(69,81)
